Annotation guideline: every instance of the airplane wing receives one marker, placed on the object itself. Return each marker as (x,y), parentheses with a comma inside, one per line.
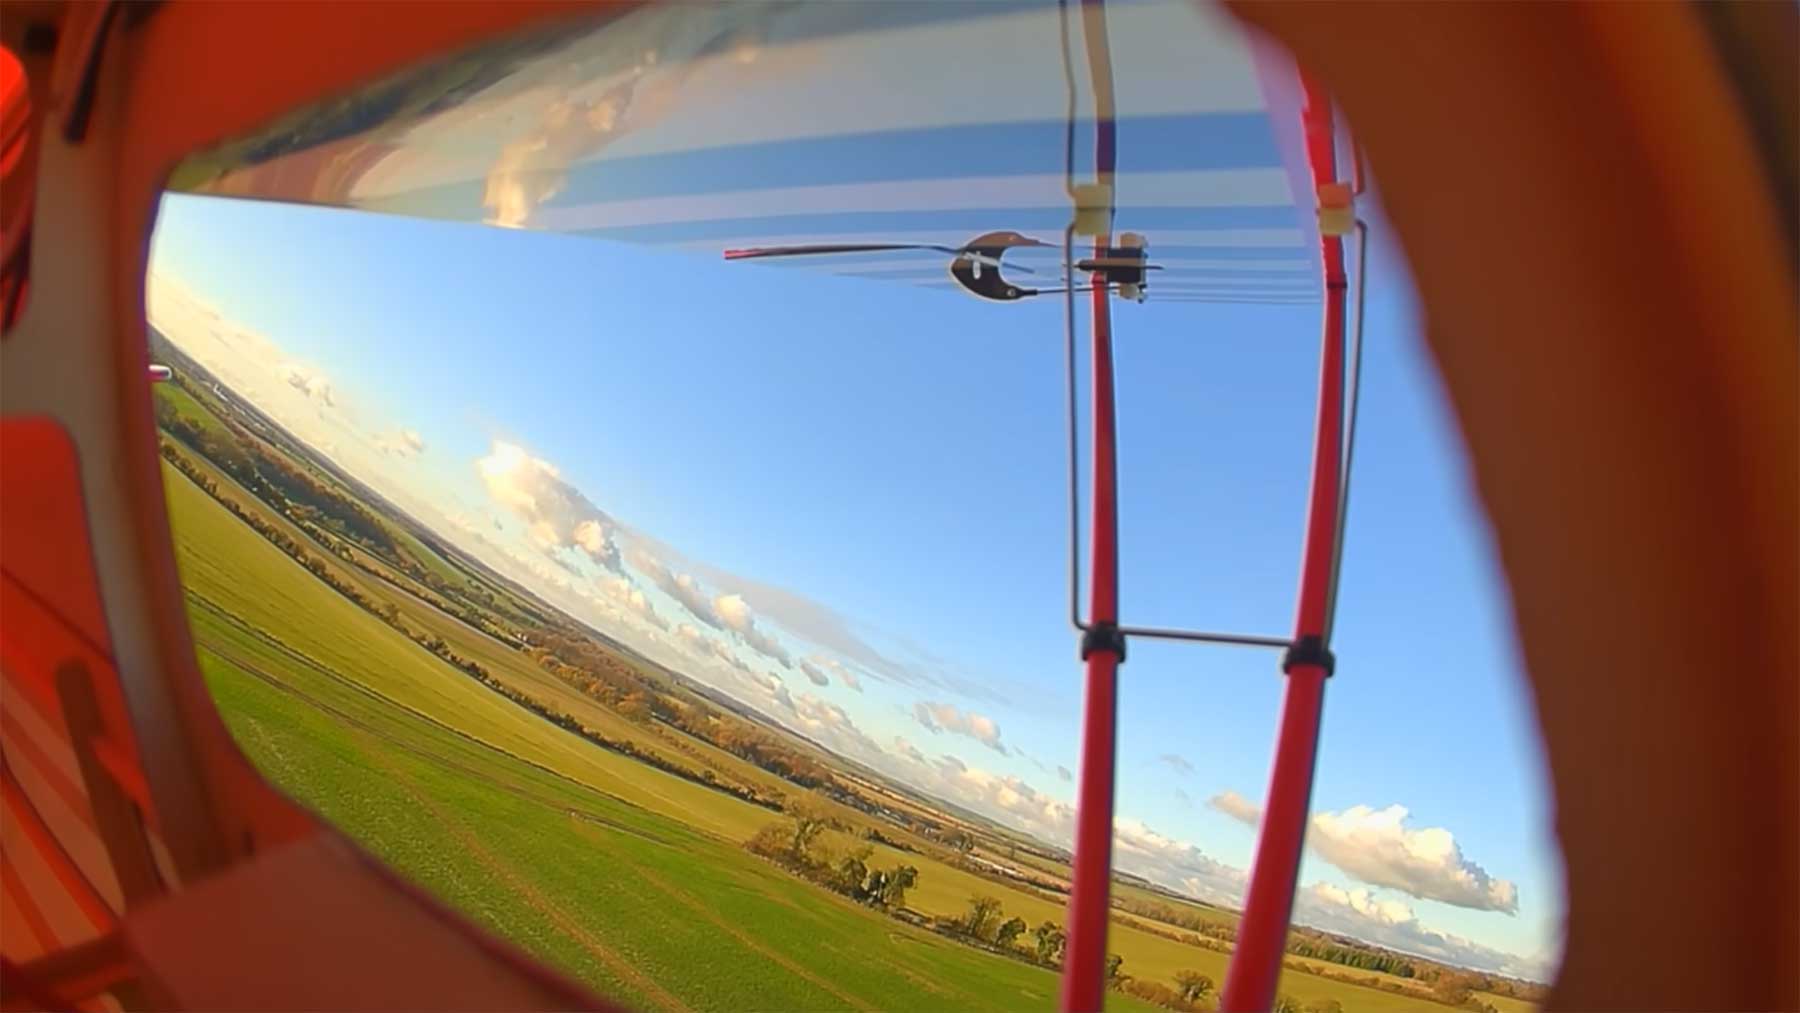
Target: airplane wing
(776,132)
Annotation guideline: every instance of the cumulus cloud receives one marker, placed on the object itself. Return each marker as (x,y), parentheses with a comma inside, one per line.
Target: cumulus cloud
(822,664)
(806,619)
(1377,847)
(1236,806)
(819,720)
(632,599)
(813,673)
(1388,922)
(406,443)
(314,385)
(943,717)
(827,723)
(737,617)
(731,609)
(908,750)
(556,514)
(771,684)
(682,587)
(1176,864)
(1178,764)
(723,652)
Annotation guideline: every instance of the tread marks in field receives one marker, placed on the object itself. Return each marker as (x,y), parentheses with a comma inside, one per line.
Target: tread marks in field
(255,671)
(749,942)
(539,902)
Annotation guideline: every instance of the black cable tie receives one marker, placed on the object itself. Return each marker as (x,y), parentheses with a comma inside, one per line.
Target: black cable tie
(1309,650)
(1103,637)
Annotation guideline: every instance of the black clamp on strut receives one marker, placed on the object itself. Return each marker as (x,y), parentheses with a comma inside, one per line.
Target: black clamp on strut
(1309,650)
(1103,637)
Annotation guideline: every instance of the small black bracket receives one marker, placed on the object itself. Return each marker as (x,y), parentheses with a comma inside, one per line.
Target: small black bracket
(1103,637)
(1309,650)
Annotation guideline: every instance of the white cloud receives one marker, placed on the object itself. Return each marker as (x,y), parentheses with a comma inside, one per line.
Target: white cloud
(814,673)
(682,587)
(936,717)
(1389,922)
(1178,764)
(632,598)
(835,667)
(770,684)
(827,723)
(800,616)
(556,514)
(736,615)
(313,384)
(1236,806)
(723,653)
(1176,864)
(731,609)
(405,443)
(1377,847)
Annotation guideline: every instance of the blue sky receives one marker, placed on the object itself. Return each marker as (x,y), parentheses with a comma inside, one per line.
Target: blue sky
(895,456)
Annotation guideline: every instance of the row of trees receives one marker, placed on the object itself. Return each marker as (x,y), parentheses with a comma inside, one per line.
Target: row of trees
(1423,978)
(795,844)
(279,482)
(603,675)
(1182,917)
(754,745)
(319,508)
(1362,958)
(985,922)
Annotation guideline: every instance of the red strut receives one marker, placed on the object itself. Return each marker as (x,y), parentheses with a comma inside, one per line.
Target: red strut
(1090,903)
(1268,906)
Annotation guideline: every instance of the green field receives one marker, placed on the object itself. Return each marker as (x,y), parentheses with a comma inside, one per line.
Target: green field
(406,755)
(631,878)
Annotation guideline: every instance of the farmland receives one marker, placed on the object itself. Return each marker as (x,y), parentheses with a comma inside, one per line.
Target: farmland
(388,686)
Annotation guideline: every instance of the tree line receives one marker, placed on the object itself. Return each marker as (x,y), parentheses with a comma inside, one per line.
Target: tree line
(1418,977)
(795,845)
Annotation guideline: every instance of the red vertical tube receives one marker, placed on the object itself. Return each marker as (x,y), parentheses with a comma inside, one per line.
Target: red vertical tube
(1262,935)
(1083,981)
(1090,901)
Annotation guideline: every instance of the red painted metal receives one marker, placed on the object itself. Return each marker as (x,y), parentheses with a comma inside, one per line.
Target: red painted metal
(1090,900)
(1084,960)
(1256,962)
